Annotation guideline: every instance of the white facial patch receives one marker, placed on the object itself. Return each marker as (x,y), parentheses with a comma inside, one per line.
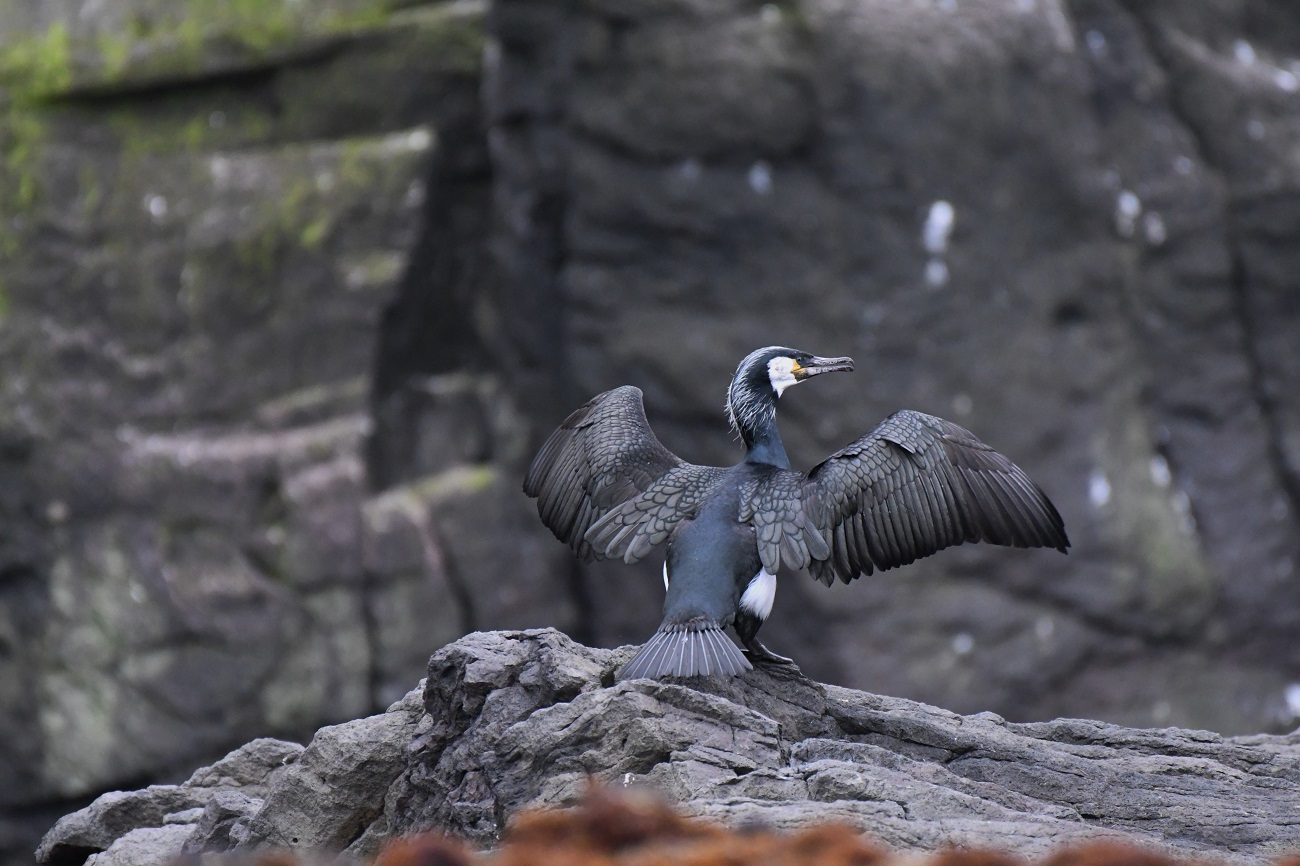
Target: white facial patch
(780,372)
(759,595)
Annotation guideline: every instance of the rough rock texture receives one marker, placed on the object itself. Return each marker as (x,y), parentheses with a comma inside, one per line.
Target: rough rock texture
(238,782)
(511,719)
(287,290)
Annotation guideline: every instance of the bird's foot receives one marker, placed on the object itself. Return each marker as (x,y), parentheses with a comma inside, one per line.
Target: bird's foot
(759,653)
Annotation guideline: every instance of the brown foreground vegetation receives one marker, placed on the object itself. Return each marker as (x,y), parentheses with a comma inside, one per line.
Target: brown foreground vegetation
(636,828)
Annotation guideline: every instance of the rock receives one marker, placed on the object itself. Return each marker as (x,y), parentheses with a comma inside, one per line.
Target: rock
(139,45)
(525,718)
(223,823)
(112,817)
(156,822)
(229,202)
(508,720)
(473,511)
(249,768)
(207,552)
(426,540)
(152,846)
(336,788)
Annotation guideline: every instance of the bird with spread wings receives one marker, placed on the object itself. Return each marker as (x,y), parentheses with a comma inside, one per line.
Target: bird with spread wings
(912,486)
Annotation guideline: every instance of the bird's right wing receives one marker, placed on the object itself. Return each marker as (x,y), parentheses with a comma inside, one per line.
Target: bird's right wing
(605,484)
(915,485)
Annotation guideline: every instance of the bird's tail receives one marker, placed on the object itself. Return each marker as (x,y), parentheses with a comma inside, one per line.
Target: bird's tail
(695,648)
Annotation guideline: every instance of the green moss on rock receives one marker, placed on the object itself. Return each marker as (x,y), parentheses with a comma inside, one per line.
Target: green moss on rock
(165,41)
(38,64)
(23,133)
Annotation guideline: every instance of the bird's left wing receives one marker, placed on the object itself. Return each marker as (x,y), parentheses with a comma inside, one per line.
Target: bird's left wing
(915,485)
(605,484)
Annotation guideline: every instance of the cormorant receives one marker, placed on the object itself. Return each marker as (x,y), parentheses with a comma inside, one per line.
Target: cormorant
(914,485)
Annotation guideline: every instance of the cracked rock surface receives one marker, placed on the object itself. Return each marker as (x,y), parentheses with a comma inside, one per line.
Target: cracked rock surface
(507,720)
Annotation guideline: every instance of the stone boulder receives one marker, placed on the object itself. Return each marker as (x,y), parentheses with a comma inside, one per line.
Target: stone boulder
(507,720)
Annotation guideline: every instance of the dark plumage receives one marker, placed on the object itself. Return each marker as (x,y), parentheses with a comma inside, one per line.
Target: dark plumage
(912,486)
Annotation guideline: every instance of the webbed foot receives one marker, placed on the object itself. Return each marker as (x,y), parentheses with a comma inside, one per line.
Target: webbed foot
(759,653)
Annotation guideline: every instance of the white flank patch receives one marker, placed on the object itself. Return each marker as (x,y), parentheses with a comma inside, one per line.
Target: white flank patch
(780,372)
(759,595)
(665,575)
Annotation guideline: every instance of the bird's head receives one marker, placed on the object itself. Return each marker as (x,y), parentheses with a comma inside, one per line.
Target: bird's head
(764,375)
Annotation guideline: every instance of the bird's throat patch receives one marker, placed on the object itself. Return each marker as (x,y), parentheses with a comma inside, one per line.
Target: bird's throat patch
(783,372)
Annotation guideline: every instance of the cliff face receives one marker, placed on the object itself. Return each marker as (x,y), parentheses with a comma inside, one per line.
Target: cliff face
(221,222)
(511,719)
(287,292)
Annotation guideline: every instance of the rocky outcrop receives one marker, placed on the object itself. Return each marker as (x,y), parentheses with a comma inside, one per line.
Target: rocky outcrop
(512,719)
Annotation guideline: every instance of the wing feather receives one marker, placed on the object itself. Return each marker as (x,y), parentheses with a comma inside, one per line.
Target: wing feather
(646,520)
(786,533)
(603,457)
(915,485)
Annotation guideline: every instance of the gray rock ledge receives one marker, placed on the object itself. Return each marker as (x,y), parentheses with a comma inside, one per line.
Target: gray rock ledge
(513,719)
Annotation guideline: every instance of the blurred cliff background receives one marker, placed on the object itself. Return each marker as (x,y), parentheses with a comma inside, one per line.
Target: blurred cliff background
(289,290)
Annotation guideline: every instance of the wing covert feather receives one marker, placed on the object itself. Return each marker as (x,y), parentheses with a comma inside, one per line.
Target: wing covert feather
(915,485)
(784,532)
(601,458)
(647,519)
